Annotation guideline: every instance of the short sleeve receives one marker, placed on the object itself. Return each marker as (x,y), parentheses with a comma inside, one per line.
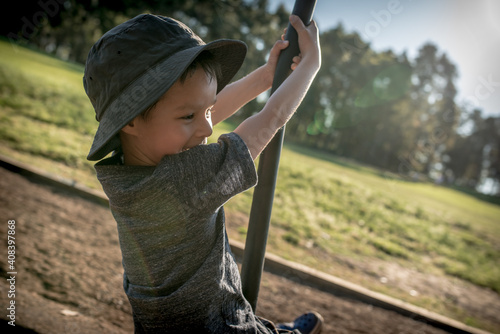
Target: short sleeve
(209,175)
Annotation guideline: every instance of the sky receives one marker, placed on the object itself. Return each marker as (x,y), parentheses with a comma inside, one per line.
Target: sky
(468,31)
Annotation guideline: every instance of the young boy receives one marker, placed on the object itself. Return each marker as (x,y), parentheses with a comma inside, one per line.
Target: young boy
(157,89)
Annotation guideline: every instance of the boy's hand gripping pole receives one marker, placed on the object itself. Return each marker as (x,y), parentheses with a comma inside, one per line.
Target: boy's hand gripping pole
(260,214)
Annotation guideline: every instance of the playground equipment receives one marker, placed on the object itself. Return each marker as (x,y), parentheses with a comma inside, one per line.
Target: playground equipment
(262,203)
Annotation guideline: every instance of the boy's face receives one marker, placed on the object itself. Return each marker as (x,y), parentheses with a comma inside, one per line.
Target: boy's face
(180,120)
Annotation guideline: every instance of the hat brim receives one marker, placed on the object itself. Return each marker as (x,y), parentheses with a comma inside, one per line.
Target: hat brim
(150,86)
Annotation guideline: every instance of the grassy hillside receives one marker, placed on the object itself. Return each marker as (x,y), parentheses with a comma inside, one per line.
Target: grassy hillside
(334,215)
(44,110)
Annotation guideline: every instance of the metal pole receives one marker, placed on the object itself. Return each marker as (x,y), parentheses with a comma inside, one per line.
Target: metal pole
(260,214)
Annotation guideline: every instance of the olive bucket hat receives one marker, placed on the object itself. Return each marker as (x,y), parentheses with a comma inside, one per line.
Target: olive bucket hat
(134,64)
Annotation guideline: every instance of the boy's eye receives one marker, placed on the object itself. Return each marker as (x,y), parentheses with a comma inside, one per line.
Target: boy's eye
(190,116)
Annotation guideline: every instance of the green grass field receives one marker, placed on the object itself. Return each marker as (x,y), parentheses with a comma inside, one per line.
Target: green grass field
(328,213)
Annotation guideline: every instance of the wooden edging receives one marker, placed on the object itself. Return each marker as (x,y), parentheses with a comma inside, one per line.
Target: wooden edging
(275,264)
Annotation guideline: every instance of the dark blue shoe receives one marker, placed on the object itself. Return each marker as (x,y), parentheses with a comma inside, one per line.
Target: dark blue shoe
(308,323)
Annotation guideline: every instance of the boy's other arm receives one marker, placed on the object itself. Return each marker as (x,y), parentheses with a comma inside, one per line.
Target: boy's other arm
(257,130)
(237,94)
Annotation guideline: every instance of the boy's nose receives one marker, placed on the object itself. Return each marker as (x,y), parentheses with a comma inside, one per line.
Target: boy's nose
(205,127)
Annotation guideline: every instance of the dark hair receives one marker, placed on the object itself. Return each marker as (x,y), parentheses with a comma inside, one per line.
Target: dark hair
(207,61)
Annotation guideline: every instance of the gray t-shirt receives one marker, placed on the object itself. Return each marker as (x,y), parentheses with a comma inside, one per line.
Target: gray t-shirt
(180,275)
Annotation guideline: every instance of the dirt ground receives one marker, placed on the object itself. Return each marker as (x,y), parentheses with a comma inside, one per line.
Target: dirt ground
(69,273)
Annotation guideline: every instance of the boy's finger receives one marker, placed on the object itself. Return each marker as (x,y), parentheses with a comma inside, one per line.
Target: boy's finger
(297,23)
(281,44)
(278,46)
(284,34)
(313,25)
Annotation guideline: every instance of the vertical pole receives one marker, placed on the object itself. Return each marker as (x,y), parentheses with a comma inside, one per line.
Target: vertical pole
(260,214)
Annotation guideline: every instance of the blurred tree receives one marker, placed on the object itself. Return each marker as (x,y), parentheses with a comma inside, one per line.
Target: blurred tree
(475,156)
(435,115)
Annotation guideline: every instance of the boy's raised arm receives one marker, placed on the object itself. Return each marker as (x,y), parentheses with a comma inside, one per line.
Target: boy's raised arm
(237,94)
(259,129)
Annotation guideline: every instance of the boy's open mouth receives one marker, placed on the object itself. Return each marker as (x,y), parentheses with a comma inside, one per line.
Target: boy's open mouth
(204,142)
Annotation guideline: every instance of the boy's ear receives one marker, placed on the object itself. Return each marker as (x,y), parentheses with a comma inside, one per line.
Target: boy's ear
(130,128)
